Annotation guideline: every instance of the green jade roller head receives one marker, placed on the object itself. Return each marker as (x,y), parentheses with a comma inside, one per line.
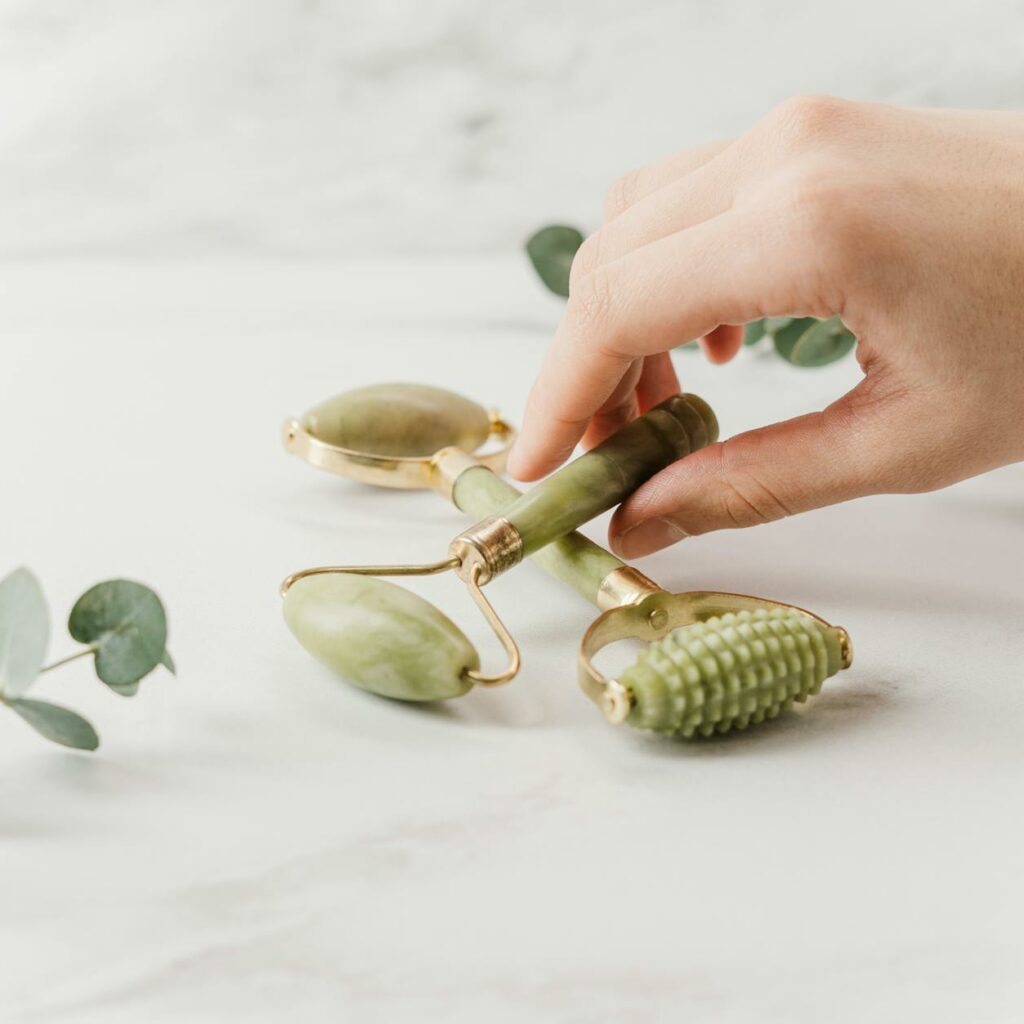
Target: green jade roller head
(714,662)
(394,643)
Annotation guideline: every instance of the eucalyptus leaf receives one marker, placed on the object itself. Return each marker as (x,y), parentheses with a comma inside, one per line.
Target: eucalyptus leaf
(810,342)
(773,324)
(754,332)
(57,723)
(168,663)
(786,337)
(24,631)
(126,624)
(551,250)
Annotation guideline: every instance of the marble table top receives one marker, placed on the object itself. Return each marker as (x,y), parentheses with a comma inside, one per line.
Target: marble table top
(255,841)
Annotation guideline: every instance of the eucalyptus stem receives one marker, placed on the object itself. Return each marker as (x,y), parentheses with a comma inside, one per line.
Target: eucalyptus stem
(69,658)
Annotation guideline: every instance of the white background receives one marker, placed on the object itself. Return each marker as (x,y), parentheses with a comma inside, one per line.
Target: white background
(213,215)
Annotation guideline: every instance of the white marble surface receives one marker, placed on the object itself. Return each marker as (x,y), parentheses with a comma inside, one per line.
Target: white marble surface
(256,842)
(304,127)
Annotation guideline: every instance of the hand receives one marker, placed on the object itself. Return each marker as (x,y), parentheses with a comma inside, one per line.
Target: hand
(907,223)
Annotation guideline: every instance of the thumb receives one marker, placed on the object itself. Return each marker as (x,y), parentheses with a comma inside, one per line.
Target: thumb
(844,452)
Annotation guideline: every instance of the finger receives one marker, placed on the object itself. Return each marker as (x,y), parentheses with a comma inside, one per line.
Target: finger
(723,343)
(636,185)
(732,269)
(658,381)
(649,382)
(621,408)
(706,192)
(845,452)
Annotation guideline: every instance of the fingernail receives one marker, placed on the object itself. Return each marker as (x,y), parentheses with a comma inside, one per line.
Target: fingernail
(646,537)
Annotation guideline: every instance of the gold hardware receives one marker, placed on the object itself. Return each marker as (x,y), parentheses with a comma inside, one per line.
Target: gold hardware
(493,546)
(429,569)
(624,586)
(385,470)
(500,630)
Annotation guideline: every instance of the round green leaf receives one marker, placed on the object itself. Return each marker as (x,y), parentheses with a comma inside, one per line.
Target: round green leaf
(786,337)
(551,250)
(24,631)
(58,724)
(754,332)
(126,623)
(810,342)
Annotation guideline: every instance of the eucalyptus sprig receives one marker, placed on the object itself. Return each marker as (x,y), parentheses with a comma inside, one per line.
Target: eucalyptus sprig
(123,626)
(801,341)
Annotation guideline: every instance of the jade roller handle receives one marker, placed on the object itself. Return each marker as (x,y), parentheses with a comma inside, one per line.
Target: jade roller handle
(588,486)
(573,559)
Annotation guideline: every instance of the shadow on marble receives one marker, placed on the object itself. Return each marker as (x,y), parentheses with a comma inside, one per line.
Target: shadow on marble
(831,713)
(55,792)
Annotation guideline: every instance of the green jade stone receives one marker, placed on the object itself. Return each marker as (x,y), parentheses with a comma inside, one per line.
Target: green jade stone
(399,420)
(731,671)
(380,637)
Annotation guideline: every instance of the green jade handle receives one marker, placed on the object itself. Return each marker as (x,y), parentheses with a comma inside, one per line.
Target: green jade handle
(596,481)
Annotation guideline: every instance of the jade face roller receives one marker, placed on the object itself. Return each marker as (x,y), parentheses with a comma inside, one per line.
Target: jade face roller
(394,643)
(714,661)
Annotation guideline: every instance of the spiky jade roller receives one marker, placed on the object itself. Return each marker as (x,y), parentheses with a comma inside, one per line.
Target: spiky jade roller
(713,662)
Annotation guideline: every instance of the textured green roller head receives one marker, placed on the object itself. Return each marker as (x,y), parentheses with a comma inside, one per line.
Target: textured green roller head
(731,671)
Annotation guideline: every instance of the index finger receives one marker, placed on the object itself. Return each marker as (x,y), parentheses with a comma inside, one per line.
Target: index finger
(727,270)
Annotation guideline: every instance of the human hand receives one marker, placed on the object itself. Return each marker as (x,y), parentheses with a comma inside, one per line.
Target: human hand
(908,223)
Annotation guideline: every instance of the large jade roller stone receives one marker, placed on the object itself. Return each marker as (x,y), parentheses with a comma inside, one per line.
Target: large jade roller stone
(399,420)
(380,637)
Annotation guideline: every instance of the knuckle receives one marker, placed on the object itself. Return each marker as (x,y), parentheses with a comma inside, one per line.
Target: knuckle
(621,195)
(823,206)
(591,300)
(586,259)
(808,119)
(747,500)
